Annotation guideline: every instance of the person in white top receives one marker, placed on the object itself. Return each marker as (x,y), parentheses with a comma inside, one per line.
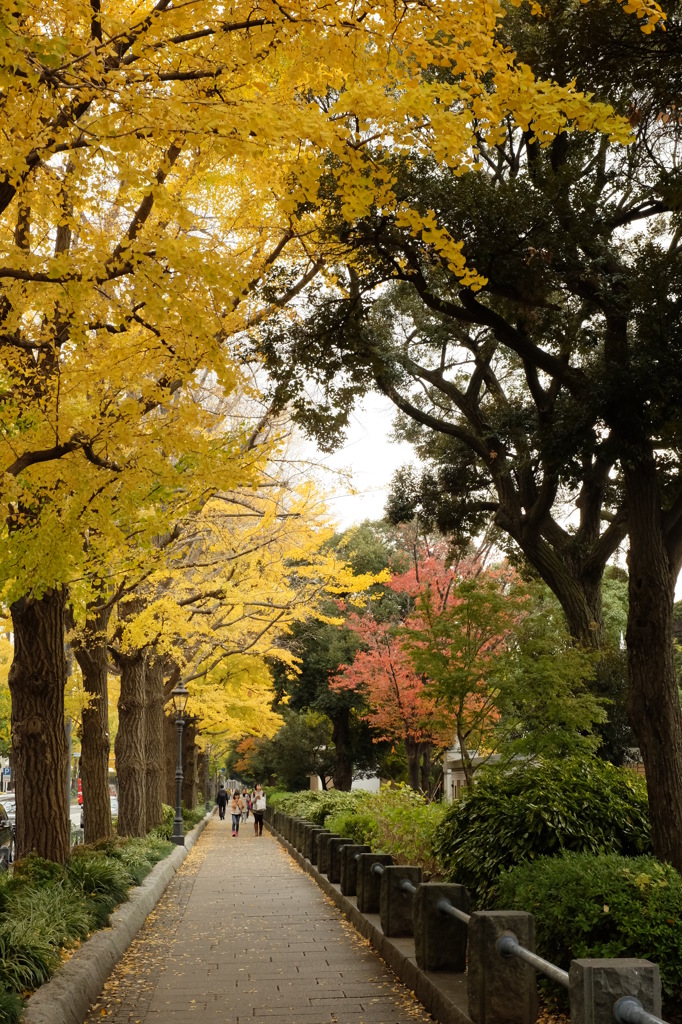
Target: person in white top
(235,807)
(258,809)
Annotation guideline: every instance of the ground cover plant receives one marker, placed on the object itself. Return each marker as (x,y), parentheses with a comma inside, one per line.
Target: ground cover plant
(47,908)
(397,820)
(517,814)
(588,905)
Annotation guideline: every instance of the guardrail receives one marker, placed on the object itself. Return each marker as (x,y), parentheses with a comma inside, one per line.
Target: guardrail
(494,948)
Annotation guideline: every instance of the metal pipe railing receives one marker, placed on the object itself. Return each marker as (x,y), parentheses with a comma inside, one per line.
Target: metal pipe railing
(445,907)
(377,868)
(405,885)
(509,945)
(628,1010)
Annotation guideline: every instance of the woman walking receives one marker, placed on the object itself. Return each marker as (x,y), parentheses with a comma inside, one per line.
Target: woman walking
(236,806)
(258,810)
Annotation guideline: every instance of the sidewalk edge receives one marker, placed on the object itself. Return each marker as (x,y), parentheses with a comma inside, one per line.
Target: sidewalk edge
(425,987)
(66,998)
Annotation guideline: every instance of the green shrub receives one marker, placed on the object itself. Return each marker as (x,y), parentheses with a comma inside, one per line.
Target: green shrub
(406,826)
(360,827)
(27,959)
(34,870)
(602,906)
(10,1007)
(57,913)
(138,856)
(103,881)
(317,806)
(517,814)
(164,831)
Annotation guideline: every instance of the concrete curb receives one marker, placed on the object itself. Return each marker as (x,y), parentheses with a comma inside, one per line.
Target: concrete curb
(443,995)
(67,997)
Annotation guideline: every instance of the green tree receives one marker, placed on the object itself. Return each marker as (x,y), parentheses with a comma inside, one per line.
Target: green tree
(548,399)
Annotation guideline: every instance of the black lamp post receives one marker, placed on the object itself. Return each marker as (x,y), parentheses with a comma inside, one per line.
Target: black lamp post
(180,697)
(209,803)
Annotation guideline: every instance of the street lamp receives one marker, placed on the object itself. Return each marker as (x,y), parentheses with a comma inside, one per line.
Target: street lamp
(208,777)
(180,697)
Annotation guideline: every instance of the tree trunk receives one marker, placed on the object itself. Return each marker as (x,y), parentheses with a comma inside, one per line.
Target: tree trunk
(90,650)
(426,768)
(189,765)
(154,747)
(654,698)
(131,760)
(202,788)
(413,751)
(170,749)
(37,679)
(343,767)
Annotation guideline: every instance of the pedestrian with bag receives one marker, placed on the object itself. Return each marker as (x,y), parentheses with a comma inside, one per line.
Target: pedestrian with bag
(236,806)
(258,810)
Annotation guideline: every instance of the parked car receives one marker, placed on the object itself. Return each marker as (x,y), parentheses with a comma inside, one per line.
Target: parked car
(113,804)
(6,838)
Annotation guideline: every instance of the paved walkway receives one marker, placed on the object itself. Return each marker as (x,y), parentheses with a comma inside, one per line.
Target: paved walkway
(242,934)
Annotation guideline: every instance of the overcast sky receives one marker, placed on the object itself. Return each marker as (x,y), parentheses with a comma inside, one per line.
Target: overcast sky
(371,459)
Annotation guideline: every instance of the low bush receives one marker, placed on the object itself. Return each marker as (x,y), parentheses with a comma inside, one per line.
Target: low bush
(103,881)
(317,806)
(588,905)
(406,826)
(10,1007)
(519,813)
(360,827)
(191,818)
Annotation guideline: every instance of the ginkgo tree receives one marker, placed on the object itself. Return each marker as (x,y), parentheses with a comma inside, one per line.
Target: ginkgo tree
(157,160)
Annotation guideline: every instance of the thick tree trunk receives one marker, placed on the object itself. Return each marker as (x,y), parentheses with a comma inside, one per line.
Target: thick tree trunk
(131,760)
(90,650)
(170,750)
(202,788)
(154,747)
(37,678)
(189,765)
(343,767)
(654,698)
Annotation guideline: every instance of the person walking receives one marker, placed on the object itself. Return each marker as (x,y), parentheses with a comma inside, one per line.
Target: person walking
(247,805)
(258,810)
(221,800)
(236,806)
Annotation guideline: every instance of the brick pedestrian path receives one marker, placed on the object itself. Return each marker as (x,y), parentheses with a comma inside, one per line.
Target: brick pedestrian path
(242,934)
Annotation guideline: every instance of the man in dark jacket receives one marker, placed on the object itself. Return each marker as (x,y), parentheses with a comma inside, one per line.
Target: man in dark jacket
(221,800)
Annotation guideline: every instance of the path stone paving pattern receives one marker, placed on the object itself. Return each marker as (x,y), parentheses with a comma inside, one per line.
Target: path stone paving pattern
(242,934)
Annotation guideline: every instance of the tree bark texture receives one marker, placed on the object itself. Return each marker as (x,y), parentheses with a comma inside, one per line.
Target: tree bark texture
(426,768)
(170,751)
(189,764)
(90,650)
(654,699)
(131,759)
(201,775)
(37,679)
(154,747)
(343,767)
(413,751)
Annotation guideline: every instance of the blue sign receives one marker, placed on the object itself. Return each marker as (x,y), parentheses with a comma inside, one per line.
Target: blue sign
(5,771)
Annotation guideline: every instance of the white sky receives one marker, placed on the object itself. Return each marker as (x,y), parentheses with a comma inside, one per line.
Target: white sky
(370,459)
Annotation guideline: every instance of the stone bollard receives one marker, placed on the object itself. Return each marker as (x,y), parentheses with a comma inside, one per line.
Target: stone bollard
(396,904)
(305,832)
(501,990)
(368,883)
(336,847)
(288,825)
(299,839)
(311,849)
(440,941)
(323,850)
(349,867)
(594,986)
